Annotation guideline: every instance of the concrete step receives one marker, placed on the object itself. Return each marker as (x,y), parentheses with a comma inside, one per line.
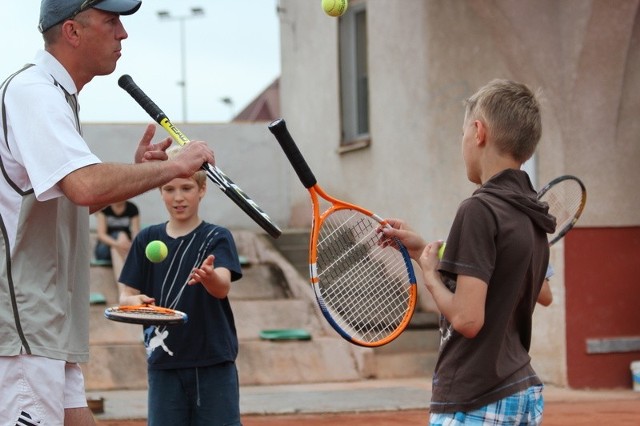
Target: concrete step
(422,320)
(116,366)
(412,340)
(102,281)
(253,316)
(404,364)
(413,353)
(105,332)
(321,359)
(294,245)
(117,358)
(263,281)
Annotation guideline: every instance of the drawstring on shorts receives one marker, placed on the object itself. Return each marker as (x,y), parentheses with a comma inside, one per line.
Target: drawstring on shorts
(197,389)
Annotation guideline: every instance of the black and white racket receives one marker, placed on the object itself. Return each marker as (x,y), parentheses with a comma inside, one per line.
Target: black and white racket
(566,196)
(366,290)
(216,175)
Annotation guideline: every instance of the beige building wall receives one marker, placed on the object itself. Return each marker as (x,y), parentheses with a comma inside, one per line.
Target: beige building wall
(425,57)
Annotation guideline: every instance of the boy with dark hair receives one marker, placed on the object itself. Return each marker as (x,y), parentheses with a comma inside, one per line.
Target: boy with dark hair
(488,281)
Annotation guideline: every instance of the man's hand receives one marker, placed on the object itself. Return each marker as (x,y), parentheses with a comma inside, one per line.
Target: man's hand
(148,151)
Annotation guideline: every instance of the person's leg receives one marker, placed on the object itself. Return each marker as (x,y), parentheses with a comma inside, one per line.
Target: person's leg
(446,419)
(117,257)
(216,397)
(102,252)
(78,417)
(76,411)
(168,404)
(535,406)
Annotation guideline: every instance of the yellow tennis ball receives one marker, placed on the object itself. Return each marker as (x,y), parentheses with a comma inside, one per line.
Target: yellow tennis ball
(334,7)
(156,251)
(441,250)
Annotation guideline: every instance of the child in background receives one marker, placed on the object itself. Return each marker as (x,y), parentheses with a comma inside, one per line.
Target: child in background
(116,226)
(191,368)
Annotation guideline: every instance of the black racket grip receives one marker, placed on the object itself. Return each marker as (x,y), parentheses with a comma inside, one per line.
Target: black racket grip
(279,129)
(127,83)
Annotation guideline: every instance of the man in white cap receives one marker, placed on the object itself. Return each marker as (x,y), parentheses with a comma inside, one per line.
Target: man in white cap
(50,182)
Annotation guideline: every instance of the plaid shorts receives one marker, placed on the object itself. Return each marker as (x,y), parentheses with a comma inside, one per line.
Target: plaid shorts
(522,408)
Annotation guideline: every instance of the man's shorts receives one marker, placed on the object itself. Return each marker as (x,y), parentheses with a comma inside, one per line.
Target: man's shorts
(37,390)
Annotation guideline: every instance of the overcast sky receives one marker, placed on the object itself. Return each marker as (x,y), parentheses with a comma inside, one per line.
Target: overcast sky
(232,51)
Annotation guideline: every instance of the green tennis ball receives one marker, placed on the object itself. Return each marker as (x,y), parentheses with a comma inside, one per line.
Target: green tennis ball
(441,250)
(156,251)
(334,7)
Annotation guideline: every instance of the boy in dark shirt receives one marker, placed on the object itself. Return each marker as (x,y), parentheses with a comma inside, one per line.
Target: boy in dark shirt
(193,378)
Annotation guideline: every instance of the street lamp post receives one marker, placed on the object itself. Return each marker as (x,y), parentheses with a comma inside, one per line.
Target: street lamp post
(166,15)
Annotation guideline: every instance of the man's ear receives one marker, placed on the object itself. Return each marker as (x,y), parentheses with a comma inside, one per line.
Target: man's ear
(481,132)
(69,31)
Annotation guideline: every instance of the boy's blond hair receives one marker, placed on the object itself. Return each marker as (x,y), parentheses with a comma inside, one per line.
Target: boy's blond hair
(200,176)
(511,113)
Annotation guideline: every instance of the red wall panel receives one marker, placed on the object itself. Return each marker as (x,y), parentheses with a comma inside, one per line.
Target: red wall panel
(602,277)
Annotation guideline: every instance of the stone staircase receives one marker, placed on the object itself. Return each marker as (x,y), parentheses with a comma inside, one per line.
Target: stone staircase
(117,358)
(273,294)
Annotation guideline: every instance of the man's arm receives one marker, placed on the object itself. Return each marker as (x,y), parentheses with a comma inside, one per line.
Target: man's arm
(100,184)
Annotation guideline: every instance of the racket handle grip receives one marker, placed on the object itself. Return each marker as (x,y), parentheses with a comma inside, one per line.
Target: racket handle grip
(127,83)
(279,129)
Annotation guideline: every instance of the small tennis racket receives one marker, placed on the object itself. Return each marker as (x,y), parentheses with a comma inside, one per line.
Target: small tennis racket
(216,175)
(366,290)
(566,196)
(145,315)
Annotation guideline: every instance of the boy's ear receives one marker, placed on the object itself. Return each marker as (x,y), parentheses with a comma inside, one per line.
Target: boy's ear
(481,132)
(203,189)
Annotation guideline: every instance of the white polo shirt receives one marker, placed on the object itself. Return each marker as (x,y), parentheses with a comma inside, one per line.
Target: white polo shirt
(44,270)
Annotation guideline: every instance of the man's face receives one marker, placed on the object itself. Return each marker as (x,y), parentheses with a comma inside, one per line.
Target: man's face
(101,34)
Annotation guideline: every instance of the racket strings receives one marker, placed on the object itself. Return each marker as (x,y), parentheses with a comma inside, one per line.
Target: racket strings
(364,286)
(565,202)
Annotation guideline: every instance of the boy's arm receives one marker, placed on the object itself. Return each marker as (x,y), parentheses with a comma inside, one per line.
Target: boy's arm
(464,309)
(130,296)
(546,296)
(217,281)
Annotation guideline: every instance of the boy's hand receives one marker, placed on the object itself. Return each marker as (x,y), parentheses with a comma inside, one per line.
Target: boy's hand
(204,273)
(429,259)
(413,242)
(136,299)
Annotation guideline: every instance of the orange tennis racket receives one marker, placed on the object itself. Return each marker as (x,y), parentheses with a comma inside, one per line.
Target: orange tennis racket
(145,315)
(366,290)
